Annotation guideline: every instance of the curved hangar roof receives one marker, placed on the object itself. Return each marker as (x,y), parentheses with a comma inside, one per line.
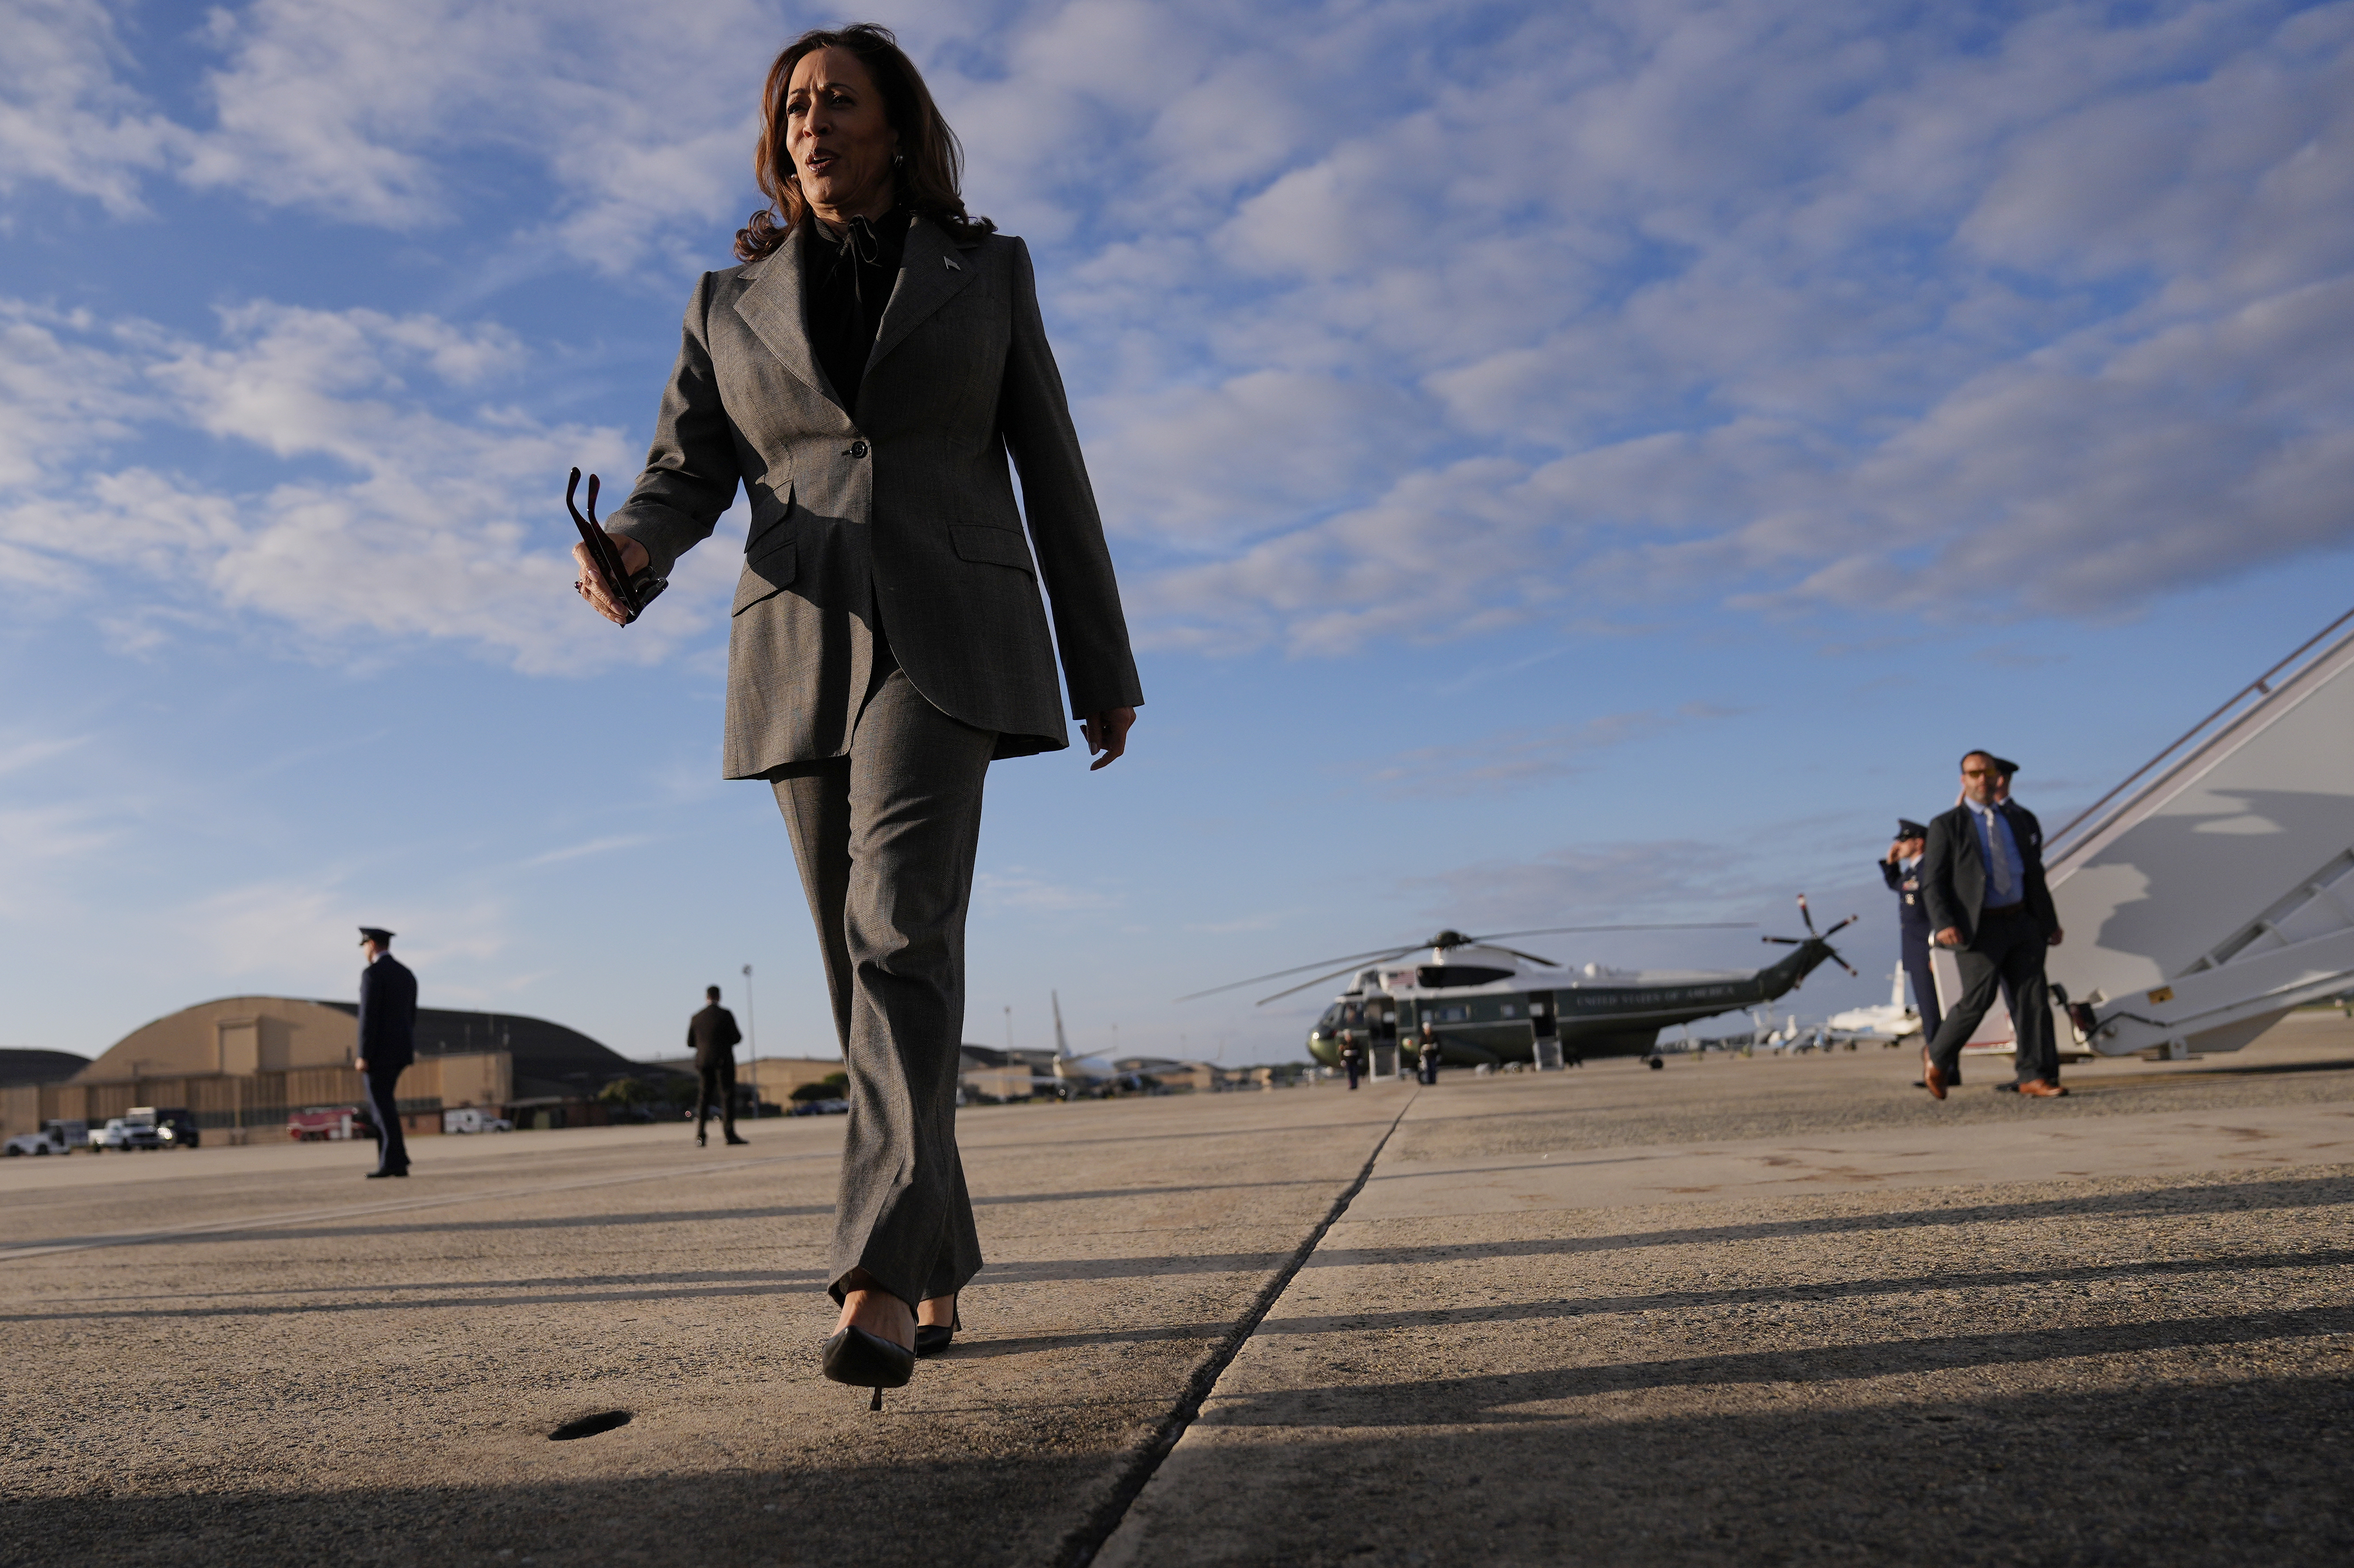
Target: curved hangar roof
(273,1033)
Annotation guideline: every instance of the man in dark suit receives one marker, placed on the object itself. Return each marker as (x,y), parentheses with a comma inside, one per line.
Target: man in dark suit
(1982,880)
(712,1034)
(388,1043)
(1352,1042)
(1900,869)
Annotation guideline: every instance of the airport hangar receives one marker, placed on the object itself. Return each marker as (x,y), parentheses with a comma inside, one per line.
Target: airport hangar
(241,1064)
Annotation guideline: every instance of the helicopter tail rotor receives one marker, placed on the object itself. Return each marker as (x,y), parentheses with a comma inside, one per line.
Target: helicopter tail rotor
(1818,940)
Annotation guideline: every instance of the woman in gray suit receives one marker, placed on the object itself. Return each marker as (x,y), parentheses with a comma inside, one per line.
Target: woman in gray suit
(863,375)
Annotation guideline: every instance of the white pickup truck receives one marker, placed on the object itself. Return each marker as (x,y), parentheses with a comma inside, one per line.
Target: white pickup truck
(55,1138)
(125,1134)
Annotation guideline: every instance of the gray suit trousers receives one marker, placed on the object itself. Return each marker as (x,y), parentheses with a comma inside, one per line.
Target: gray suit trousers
(884,839)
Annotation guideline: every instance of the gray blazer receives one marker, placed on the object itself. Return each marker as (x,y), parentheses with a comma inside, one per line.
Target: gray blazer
(903,505)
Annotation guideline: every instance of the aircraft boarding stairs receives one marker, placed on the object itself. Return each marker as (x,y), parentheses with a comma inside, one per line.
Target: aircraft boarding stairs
(2212,891)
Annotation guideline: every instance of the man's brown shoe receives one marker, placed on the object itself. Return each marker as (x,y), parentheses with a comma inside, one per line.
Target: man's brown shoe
(2041,1090)
(1931,1079)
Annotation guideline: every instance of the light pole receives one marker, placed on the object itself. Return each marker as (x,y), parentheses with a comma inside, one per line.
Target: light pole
(752,1039)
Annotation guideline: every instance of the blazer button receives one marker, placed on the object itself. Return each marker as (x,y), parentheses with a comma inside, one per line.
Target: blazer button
(858,449)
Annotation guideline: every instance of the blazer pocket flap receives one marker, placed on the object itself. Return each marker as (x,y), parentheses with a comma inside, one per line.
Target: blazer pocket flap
(995,546)
(766,574)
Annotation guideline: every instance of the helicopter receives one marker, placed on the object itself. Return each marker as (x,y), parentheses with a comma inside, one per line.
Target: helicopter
(1479,1003)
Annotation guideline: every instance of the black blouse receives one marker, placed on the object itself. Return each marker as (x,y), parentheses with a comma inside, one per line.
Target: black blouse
(850,271)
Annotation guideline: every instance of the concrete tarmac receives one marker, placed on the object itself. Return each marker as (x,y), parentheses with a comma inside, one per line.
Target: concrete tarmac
(1764,1310)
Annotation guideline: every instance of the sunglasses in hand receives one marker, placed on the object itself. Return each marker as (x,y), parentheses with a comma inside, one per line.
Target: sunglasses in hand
(631,593)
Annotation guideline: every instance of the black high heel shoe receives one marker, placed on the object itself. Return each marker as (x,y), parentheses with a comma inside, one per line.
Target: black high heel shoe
(931,1338)
(868,1361)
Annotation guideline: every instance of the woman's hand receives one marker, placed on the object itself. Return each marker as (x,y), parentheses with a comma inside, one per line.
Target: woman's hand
(1107,732)
(633,561)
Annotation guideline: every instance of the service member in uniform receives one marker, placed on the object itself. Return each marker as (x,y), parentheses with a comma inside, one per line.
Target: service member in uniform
(1900,869)
(713,1036)
(388,1043)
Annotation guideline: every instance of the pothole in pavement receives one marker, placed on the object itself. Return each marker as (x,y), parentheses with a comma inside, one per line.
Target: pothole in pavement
(589,1426)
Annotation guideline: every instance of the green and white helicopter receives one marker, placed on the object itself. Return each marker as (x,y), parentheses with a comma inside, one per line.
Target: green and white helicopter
(1479,1003)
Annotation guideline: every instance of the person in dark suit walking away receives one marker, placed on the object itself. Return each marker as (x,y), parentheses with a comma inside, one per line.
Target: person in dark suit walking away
(713,1036)
(1982,879)
(1900,869)
(388,1043)
(861,379)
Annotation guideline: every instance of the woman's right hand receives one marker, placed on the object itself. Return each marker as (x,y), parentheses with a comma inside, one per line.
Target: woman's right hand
(592,589)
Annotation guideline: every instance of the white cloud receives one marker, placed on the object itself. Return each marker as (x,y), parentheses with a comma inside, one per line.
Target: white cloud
(1016,888)
(1383,323)
(592,847)
(1790,308)
(302,935)
(397,509)
(1514,758)
(22,754)
(66,119)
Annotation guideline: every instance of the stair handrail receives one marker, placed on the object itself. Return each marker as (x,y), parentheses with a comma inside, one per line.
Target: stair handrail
(2262,687)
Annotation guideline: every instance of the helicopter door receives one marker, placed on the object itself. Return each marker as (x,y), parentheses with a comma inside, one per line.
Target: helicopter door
(1381,1031)
(1545,1049)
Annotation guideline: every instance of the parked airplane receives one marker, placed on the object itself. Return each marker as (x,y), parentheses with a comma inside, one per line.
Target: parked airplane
(1889,1021)
(1085,1078)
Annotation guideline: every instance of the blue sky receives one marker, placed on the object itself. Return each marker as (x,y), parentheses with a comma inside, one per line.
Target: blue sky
(1566,463)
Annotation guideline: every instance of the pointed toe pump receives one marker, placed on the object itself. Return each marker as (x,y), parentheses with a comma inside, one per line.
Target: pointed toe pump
(863,1360)
(931,1338)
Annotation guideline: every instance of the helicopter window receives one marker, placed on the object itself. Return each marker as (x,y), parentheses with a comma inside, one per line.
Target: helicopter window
(1453,1014)
(1332,1016)
(1438,977)
(1511,1011)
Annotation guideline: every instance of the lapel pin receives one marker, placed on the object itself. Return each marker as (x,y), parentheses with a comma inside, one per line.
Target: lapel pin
(950,263)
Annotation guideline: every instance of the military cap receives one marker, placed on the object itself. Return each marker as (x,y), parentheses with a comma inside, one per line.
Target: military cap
(377,934)
(1906,827)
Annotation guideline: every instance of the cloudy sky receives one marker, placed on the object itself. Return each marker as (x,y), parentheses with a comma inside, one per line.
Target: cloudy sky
(1567,463)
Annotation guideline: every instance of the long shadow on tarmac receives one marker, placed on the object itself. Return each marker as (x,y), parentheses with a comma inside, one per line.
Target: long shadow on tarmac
(1670,1300)
(2242,1473)
(2247,1472)
(471,1301)
(318,1232)
(2294,1192)
(324,1230)
(1489,1399)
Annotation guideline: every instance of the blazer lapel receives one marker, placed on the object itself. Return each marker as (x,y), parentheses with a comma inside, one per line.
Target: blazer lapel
(931,272)
(771,307)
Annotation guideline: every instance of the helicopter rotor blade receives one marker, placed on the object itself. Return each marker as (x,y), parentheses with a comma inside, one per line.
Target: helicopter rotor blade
(1493,936)
(1313,980)
(1806,915)
(1384,955)
(1788,941)
(1837,928)
(1347,960)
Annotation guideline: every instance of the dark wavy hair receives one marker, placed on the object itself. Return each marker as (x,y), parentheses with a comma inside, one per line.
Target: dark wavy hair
(928,181)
